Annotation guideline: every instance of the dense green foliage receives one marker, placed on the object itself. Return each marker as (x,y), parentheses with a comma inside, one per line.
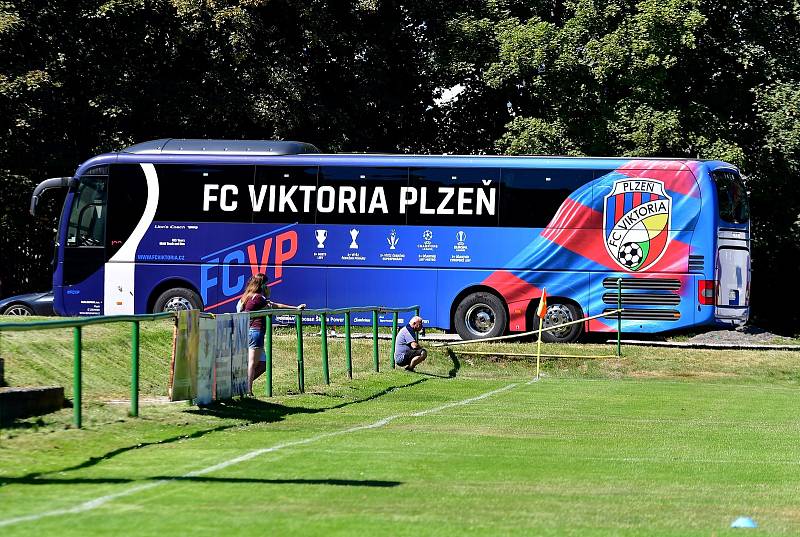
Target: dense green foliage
(679,78)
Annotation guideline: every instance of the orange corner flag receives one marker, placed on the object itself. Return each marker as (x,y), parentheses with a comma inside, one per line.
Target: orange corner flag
(542,309)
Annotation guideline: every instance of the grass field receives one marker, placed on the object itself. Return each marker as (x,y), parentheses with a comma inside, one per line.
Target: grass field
(660,442)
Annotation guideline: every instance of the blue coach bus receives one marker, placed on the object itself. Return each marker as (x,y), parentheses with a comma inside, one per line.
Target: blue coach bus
(171,224)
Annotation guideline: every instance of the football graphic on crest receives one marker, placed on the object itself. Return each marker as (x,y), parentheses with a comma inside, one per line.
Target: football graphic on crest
(630,255)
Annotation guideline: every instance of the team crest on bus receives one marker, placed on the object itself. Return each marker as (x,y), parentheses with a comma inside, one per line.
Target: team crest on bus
(636,222)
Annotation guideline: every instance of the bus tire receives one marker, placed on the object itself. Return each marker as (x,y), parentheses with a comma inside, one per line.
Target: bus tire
(559,313)
(176,299)
(480,315)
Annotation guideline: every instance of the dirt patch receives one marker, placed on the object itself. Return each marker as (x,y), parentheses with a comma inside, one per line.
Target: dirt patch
(746,335)
(682,374)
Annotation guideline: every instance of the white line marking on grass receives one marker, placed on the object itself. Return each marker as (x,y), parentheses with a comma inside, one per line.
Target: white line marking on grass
(86,506)
(464,402)
(102,500)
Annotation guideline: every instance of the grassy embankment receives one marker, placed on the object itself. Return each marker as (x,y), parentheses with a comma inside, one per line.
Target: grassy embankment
(659,442)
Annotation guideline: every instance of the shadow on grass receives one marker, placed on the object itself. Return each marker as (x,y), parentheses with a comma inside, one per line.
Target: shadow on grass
(199,479)
(250,410)
(23,423)
(375,395)
(92,461)
(335,482)
(450,374)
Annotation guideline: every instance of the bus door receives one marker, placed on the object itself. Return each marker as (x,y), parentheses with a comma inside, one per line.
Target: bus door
(732,269)
(732,273)
(84,248)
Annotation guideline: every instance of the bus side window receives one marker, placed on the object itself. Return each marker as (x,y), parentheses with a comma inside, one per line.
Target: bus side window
(204,192)
(360,195)
(453,197)
(284,194)
(732,197)
(127,197)
(532,197)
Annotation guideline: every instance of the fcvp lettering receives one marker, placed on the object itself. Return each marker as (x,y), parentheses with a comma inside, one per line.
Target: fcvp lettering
(228,272)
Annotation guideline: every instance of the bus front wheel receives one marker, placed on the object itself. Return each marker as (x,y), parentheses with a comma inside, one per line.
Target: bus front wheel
(176,299)
(559,313)
(480,315)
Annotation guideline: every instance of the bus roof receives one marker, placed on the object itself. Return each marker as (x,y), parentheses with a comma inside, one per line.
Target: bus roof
(272,152)
(182,146)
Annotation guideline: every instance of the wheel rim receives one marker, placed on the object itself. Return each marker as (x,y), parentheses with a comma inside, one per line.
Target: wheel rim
(178,303)
(558,314)
(479,319)
(19,311)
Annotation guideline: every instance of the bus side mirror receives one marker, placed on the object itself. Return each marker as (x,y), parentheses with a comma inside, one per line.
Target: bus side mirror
(47,184)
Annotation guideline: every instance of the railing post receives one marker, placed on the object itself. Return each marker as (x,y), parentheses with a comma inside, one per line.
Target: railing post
(268,352)
(348,354)
(323,329)
(619,317)
(394,336)
(301,381)
(76,376)
(135,369)
(375,340)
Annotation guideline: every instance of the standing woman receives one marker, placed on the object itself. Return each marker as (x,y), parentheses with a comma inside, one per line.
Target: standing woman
(255,298)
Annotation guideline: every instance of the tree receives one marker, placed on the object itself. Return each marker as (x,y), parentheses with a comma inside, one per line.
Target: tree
(680,78)
(86,77)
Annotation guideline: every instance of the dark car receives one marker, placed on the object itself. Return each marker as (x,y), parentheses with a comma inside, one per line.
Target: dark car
(30,304)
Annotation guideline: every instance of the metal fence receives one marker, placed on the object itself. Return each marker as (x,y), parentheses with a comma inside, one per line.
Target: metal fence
(78,324)
(135,320)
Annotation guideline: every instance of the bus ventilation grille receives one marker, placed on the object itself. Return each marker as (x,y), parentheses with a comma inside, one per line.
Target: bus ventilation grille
(644,299)
(634,314)
(97,170)
(696,263)
(668,284)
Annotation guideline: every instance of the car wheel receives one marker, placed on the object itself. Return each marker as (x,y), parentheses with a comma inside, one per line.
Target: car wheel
(560,313)
(480,315)
(19,309)
(176,299)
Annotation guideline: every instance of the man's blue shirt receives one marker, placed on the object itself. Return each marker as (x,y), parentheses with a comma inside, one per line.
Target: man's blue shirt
(403,344)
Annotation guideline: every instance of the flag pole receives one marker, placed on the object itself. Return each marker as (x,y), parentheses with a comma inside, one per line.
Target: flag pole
(541,311)
(539,347)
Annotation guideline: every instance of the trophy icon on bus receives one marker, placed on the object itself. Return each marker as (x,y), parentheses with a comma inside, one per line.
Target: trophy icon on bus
(321,235)
(353,235)
(392,240)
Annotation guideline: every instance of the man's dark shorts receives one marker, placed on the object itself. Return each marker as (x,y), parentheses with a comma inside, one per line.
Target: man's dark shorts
(408,356)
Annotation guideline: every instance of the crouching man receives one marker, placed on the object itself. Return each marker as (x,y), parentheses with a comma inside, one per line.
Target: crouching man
(407,351)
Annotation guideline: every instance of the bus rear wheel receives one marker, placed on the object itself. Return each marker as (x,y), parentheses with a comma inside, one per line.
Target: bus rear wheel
(480,315)
(176,299)
(560,313)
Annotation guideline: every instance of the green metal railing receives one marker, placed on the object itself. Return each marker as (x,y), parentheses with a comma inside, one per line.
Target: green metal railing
(77,325)
(77,351)
(324,315)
